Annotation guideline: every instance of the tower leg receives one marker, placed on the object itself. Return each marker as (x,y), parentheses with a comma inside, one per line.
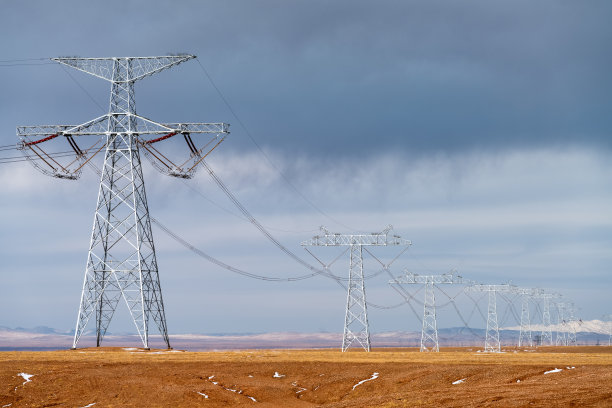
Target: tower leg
(356,327)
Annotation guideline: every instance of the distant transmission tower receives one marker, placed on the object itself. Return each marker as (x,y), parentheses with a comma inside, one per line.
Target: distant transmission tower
(561,339)
(525,333)
(546,335)
(356,327)
(429,331)
(492,344)
(571,333)
(121,261)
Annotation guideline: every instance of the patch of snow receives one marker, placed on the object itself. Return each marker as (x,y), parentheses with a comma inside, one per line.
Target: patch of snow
(459,381)
(570,368)
(250,376)
(90,405)
(211,377)
(26,377)
(237,391)
(518,381)
(277,375)
(130,348)
(556,370)
(7,405)
(373,377)
(202,394)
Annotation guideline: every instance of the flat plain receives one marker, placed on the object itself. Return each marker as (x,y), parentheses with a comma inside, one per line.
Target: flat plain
(454,377)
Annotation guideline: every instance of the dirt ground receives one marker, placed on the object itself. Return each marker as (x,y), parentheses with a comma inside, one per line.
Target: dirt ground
(460,377)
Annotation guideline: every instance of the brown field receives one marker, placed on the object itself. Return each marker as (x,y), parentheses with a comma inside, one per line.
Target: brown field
(116,377)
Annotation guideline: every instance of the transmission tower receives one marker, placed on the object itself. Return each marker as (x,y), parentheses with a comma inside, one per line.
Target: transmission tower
(561,339)
(492,344)
(571,333)
(525,333)
(429,331)
(546,335)
(356,327)
(121,262)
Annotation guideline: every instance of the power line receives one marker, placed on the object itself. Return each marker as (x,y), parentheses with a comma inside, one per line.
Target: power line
(24,60)
(270,162)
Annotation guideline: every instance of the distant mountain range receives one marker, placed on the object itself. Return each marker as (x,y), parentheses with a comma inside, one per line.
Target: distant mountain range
(47,338)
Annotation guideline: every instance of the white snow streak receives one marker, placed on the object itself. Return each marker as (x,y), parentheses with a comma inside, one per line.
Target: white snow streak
(90,405)
(459,381)
(229,389)
(556,370)
(202,394)
(374,376)
(277,375)
(26,377)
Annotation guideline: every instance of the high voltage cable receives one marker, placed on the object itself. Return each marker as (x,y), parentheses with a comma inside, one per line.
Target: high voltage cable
(223,264)
(24,59)
(270,162)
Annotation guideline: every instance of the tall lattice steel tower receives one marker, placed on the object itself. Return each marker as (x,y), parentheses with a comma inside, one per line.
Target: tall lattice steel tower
(121,262)
(546,334)
(561,339)
(356,326)
(429,331)
(492,344)
(525,338)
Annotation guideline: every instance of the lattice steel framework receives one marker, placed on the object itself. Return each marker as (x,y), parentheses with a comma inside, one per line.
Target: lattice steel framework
(121,262)
(492,344)
(571,333)
(356,326)
(525,338)
(546,334)
(561,339)
(429,330)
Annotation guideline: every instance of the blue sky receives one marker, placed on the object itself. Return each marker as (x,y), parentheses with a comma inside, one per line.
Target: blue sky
(479,130)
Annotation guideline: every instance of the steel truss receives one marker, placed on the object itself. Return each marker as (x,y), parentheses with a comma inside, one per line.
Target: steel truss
(492,344)
(356,326)
(546,334)
(525,337)
(121,261)
(429,330)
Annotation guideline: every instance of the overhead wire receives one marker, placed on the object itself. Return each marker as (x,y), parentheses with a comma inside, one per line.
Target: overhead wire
(262,151)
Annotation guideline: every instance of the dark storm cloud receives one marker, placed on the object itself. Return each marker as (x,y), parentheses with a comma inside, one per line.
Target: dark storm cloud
(346,76)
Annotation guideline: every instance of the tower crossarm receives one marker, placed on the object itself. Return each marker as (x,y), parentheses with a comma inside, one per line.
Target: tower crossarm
(374,239)
(413,278)
(525,291)
(140,67)
(541,294)
(506,287)
(99,126)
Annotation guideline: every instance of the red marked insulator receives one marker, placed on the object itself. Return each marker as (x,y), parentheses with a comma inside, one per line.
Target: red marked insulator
(41,140)
(160,138)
